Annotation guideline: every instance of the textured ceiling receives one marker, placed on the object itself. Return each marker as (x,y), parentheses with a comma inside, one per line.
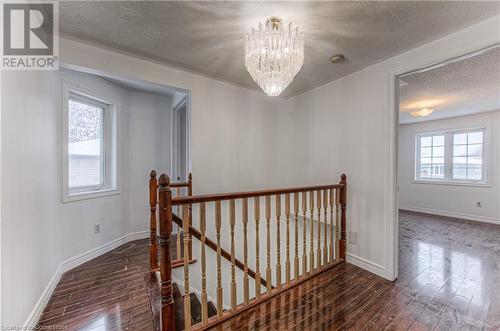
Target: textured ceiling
(461,88)
(208,37)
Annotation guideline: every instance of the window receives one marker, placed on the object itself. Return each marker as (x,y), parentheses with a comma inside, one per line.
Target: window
(468,156)
(86,148)
(453,156)
(431,157)
(90,139)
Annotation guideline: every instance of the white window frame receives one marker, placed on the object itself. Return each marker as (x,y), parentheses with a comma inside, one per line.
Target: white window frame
(418,158)
(110,153)
(448,157)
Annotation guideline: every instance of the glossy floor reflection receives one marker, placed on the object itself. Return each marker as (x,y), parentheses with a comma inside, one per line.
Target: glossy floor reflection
(449,280)
(450,267)
(106,293)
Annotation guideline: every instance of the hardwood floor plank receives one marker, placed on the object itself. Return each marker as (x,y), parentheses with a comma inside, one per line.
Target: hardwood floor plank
(449,276)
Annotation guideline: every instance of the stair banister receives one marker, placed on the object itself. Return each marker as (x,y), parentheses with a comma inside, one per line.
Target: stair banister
(343,216)
(321,204)
(167,319)
(153,246)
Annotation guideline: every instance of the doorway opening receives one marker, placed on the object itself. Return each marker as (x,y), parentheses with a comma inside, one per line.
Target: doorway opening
(448,188)
(181,133)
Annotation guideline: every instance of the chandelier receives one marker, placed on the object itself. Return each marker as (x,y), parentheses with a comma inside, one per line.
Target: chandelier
(274,54)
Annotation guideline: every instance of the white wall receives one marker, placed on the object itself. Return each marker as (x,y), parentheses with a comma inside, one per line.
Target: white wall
(39,232)
(451,200)
(241,139)
(350,125)
(30,231)
(149,148)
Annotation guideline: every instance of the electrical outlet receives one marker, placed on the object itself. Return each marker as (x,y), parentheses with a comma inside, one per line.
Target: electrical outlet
(479,204)
(353,237)
(97,228)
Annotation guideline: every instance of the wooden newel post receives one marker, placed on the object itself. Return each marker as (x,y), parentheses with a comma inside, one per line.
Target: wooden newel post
(153,247)
(167,318)
(343,204)
(190,207)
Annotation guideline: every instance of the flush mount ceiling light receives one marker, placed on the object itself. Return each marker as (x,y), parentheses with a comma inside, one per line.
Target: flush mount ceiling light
(422,112)
(274,54)
(337,58)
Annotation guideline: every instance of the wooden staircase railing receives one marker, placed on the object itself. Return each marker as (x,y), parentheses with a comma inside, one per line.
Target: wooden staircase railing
(319,244)
(153,191)
(213,245)
(153,201)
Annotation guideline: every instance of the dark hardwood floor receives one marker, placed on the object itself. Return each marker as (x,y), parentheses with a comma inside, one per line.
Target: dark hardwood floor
(449,280)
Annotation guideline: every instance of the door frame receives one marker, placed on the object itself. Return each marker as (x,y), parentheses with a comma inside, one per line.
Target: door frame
(392,185)
(174,130)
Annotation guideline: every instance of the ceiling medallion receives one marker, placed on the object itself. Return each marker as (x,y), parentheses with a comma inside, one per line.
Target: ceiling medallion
(274,54)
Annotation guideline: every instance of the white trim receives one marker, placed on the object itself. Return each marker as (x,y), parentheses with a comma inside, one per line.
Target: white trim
(392,186)
(444,182)
(372,267)
(452,214)
(448,156)
(73,262)
(112,143)
(85,195)
(174,166)
(391,210)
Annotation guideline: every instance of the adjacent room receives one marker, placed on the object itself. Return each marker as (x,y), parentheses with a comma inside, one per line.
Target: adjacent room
(249,165)
(448,188)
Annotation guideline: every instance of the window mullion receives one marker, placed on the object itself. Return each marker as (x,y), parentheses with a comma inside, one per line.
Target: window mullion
(448,156)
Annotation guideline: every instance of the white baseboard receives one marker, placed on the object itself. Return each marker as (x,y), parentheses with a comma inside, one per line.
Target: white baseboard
(372,267)
(72,263)
(452,214)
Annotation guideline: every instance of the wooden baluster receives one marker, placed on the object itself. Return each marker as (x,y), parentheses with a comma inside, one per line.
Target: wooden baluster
(178,254)
(220,309)
(311,208)
(296,214)
(304,233)
(337,224)
(256,207)
(343,216)
(187,298)
(190,193)
(268,246)
(244,217)
(287,214)
(332,209)
(278,243)
(318,250)
(204,300)
(167,320)
(325,219)
(153,246)
(232,216)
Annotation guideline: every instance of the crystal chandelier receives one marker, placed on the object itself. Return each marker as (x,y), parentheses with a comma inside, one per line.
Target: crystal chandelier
(274,54)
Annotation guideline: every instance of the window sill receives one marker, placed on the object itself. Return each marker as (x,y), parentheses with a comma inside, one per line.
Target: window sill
(440,182)
(89,195)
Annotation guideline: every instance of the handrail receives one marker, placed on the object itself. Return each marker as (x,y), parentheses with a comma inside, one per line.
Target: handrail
(314,246)
(250,194)
(180,184)
(213,245)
